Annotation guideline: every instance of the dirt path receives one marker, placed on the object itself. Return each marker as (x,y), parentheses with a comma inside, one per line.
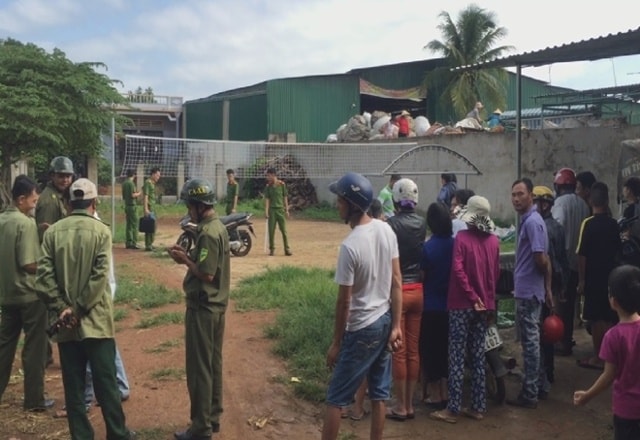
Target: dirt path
(255,387)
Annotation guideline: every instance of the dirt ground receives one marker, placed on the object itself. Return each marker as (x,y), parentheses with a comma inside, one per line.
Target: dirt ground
(255,389)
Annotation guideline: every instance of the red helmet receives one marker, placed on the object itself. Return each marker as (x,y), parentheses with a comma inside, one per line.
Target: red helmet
(552,329)
(565,176)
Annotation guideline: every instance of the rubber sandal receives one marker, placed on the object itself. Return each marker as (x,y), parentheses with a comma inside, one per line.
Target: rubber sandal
(471,414)
(411,416)
(392,415)
(441,416)
(357,418)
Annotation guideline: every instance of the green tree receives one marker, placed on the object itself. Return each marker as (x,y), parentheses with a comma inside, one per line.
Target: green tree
(50,106)
(470,39)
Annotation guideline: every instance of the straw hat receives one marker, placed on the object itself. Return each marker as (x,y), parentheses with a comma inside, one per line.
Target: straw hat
(498,111)
(405,113)
(477,214)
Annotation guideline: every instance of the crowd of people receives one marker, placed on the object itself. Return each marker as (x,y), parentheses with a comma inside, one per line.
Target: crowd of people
(435,298)
(411,307)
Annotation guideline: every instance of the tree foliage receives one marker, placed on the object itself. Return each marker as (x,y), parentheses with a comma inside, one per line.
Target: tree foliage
(471,39)
(50,106)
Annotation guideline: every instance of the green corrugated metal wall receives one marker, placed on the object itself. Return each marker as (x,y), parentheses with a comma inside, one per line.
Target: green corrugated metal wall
(312,107)
(248,118)
(204,120)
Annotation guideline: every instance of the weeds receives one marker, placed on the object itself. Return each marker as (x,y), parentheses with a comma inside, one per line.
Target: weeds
(168,374)
(164,318)
(164,347)
(145,295)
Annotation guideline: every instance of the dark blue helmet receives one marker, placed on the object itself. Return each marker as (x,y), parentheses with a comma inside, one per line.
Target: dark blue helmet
(356,189)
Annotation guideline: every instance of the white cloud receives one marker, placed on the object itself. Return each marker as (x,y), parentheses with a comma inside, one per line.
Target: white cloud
(200,47)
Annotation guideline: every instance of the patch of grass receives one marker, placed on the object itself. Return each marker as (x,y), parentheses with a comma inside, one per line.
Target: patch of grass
(145,295)
(119,314)
(164,347)
(508,246)
(323,211)
(164,318)
(168,374)
(280,288)
(303,328)
(154,433)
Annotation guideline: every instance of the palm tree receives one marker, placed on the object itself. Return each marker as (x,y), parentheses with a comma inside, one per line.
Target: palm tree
(469,40)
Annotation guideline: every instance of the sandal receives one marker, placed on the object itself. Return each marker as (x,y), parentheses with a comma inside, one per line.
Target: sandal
(475,415)
(443,416)
(586,363)
(392,415)
(357,418)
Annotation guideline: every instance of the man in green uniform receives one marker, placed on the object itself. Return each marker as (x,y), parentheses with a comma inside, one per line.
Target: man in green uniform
(276,210)
(51,206)
(129,196)
(21,308)
(149,193)
(232,192)
(73,281)
(206,287)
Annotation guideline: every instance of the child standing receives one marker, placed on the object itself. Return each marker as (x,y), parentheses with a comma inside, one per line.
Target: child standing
(621,356)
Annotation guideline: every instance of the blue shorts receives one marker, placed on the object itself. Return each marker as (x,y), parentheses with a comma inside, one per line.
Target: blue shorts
(363,353)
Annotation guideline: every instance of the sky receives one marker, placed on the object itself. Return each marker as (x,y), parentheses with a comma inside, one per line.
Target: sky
(195,48)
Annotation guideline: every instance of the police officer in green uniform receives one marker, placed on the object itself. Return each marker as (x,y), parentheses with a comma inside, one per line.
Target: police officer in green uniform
(149,194)
(21,308)
(73,281)
(206,287)
(51,206)
(232,192)
(276,210)
(129,196)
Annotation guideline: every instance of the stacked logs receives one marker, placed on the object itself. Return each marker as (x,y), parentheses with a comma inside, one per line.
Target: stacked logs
(301,192)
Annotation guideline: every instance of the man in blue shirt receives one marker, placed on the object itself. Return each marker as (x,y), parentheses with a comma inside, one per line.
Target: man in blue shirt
(532,280)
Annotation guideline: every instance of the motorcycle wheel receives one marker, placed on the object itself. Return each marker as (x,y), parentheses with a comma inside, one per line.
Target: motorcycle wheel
(185,241)
(245,247)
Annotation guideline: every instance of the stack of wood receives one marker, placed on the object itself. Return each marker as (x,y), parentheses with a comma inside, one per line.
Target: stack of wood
(302,193)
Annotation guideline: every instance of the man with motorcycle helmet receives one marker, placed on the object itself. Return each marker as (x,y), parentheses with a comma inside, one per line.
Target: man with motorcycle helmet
(368,307)
(569,210)
(206,287)
(51,206)
(544,199)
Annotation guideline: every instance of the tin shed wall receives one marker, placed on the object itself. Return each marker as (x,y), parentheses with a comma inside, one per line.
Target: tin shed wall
(311,107)
(203,120)
(248,118)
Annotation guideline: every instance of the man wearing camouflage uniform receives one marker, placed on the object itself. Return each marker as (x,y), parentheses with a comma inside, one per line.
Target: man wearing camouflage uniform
(73,281)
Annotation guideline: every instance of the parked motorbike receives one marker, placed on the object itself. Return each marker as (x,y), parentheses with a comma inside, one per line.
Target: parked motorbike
(238,226)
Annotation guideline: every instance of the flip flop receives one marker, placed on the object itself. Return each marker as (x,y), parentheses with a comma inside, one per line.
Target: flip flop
(441,416)
(392,415)
(411,416)
(356,418)
(471,414)
(584,363)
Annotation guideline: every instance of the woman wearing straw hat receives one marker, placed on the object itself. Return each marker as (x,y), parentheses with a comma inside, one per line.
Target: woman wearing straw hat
(474,272)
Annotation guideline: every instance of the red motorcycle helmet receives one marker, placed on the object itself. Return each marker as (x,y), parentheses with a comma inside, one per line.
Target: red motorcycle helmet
(565,176)
(552,329)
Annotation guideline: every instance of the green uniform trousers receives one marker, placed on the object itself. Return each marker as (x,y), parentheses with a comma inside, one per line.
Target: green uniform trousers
(277,216)
(131,231)
(32,318)
(101,355)
(150,237)
(203,347)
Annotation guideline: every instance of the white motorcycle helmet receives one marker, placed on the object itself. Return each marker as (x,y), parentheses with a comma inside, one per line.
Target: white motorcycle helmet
(405,192)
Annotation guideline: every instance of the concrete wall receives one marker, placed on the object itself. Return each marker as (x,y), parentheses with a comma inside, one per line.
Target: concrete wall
(543,152)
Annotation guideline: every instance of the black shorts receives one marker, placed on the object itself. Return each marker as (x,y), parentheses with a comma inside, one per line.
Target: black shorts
(596,306)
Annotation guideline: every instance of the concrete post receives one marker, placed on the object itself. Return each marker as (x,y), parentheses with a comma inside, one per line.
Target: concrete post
(140,176)
(181,178)
(92,169)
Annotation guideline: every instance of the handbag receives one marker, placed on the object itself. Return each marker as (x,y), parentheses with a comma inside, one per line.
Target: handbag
(147,224)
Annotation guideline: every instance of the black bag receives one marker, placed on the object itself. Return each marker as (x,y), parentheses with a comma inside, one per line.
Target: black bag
(147,225)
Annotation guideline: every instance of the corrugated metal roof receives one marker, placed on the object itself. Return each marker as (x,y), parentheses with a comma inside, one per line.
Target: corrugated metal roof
(528,113)
(609,46)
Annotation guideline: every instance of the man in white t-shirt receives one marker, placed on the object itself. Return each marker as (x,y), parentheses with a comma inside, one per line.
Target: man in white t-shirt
(368,308)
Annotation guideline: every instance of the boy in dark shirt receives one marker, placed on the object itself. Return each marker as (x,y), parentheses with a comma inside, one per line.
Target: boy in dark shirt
(598,252)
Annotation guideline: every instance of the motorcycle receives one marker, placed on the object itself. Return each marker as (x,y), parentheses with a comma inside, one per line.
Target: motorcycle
(238,226)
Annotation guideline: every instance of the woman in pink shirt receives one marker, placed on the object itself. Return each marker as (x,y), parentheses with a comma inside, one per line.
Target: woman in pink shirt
(474,271)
